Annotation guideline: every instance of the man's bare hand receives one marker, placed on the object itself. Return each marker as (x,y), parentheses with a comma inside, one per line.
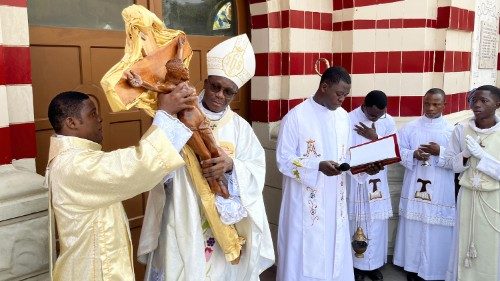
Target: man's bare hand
(182,97)
(431,148)
(214,168)
(374,168)
(366,132)
(420,155)
(329,168)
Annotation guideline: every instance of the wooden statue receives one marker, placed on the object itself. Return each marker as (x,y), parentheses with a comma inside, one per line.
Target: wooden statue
(202,141)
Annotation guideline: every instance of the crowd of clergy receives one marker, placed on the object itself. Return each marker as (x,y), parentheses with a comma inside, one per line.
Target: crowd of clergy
(439,236)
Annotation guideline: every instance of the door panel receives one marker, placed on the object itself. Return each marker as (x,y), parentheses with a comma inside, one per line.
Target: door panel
(76,59)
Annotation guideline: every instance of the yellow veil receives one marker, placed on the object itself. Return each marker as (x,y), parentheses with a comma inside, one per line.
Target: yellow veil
(139,21)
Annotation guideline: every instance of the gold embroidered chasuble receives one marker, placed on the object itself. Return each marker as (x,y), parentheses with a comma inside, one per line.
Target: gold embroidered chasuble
(479,217)
(87,186)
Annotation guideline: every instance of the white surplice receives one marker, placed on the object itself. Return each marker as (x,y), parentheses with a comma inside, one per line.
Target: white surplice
(369,203)
(176,240)
(479,220)
(425,226)
(313,235)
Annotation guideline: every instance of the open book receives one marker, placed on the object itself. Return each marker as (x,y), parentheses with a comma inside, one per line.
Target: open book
(384,150)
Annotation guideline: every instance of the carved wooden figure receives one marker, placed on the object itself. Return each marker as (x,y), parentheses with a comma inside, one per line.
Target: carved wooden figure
(202,141)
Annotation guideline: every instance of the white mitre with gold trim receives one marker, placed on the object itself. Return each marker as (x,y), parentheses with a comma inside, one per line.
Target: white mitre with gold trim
(234,59)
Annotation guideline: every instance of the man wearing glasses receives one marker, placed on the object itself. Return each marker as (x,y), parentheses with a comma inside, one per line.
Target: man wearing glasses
(177,240)
(369,203)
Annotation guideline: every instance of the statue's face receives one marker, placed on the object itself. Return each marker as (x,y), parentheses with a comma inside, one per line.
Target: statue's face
(219,92)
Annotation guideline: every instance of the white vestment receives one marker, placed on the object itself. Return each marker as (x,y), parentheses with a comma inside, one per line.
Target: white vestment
(479,223)
(313,234)
(427,215)
(370,202)
(176,240)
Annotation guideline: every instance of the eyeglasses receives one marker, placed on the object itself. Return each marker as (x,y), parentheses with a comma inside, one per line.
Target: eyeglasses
(216,88)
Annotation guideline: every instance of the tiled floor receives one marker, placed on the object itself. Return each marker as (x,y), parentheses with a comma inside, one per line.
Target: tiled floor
(391,273)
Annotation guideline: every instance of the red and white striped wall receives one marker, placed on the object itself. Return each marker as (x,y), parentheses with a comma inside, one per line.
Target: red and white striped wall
(17,128)
(401,47)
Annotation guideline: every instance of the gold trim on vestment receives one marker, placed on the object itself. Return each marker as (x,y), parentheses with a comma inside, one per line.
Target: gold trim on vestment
(226,235)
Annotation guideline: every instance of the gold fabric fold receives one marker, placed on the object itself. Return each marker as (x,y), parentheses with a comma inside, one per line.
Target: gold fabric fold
(139,22)
(226,235)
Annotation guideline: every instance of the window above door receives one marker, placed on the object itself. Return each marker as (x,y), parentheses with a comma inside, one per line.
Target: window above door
(91,14)
(201,17)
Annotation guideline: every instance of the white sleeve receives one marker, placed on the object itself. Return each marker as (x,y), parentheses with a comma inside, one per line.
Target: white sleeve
(454,152)
(489,166)
(175,130)
(406,150)
(231,210)
(305,170)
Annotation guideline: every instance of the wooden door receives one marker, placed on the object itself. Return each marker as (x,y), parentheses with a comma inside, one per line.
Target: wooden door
(76,59)
(64,59)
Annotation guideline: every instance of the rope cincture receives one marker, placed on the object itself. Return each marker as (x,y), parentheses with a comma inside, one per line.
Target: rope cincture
(477,195)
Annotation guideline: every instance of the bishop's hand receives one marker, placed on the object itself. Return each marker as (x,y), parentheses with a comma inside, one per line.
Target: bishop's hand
(329,168)
(366,132)
(215,168)
(474,147)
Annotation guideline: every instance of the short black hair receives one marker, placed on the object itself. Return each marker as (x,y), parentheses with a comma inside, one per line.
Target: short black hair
(436,91)
(377,98)
(492,89)
(335,74)
(64,105)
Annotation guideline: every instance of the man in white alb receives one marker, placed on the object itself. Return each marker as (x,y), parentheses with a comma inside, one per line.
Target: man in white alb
(427,204)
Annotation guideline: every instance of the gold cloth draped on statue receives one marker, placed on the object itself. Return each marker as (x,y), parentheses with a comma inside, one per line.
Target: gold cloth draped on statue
(142,25)
(232,243)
